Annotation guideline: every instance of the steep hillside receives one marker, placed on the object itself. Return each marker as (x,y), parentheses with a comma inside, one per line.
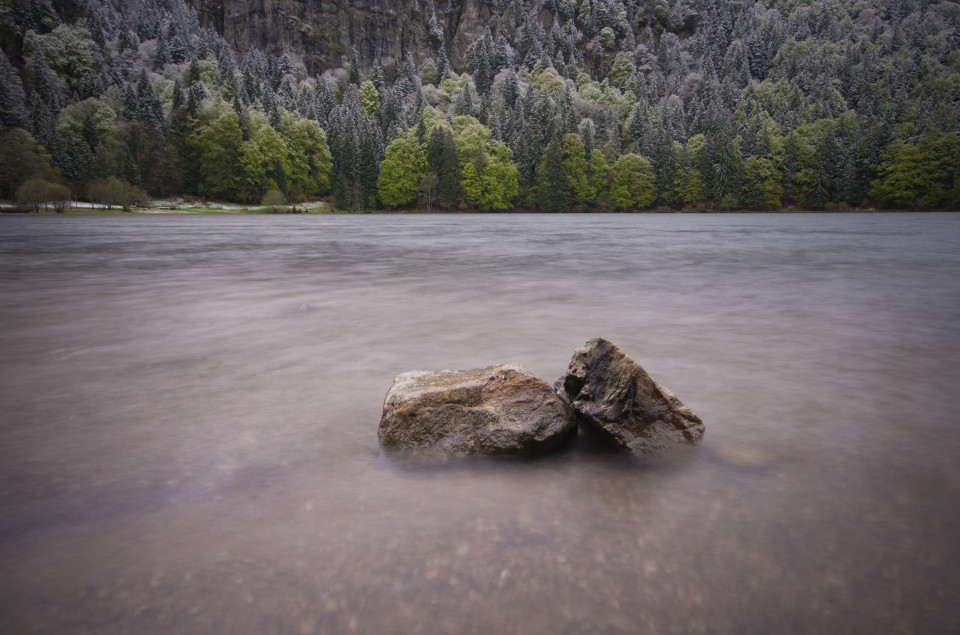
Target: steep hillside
(490,104)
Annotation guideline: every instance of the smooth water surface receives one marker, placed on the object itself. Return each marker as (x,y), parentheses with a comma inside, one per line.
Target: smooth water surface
(189,406)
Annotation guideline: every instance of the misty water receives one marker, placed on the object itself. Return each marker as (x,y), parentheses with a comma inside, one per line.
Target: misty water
(189,407)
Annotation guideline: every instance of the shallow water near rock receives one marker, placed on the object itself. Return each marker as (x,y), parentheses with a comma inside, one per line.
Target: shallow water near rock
(188,438)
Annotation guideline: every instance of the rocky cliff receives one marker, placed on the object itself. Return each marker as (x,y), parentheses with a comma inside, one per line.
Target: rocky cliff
(321,32)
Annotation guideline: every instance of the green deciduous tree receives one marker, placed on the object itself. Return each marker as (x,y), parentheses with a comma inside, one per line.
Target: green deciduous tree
(401,172)
(114,191)
(944,150)
(634,183)
(308,156)
(908,179)
(577,171)
(427,189)
(762,183)
(216,152)
(21,158)
(38,192)
(490,177)
(274,199)
(599,175)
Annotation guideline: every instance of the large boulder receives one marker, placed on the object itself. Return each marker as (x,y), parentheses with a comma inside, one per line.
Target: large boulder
(618,401)
(495,410)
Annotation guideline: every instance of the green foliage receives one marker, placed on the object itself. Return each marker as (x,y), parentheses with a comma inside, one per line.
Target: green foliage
(577,170)
(550,82)
(89,120)
(688,187)
(401,172)
(308,156)
(274,199)
(21,158)
(801,103)
(634,183)
(37,192)
(623,67)
(490,177)
(721,164)
(217,152)
(443,161)
(369,98)
(762,187)
(908,178)
(292,157)
(944,151)
(114,191)
(553,190)
(427,189)
(599,175)
(608,39)
(490,183)
(138,154)
(264,162)
(68,49)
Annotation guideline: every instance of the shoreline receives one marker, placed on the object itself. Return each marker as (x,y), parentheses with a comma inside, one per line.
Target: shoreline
(327,211)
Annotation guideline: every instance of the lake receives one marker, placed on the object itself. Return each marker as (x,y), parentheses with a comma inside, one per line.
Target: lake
(189,408)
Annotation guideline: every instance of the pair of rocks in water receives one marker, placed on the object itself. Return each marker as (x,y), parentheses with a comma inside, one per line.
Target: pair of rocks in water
(508,410)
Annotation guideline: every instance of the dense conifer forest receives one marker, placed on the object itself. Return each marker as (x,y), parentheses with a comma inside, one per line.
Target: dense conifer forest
(556,105)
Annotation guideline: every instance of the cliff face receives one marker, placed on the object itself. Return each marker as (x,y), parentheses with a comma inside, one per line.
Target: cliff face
(321,32)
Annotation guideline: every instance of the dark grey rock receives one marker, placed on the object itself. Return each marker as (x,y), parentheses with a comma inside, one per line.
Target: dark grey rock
(618,401)
(495,410)
(321,34)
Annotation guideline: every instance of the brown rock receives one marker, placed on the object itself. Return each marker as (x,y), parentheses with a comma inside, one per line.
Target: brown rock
(495,410)
(618,401)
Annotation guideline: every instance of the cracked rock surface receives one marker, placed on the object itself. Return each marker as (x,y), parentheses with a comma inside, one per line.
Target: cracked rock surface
(618,401)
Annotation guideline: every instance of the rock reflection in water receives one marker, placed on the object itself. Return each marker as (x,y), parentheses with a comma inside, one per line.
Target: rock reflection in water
(184,448)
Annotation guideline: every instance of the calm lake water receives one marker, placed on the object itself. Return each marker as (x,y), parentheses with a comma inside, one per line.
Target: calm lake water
(189,407)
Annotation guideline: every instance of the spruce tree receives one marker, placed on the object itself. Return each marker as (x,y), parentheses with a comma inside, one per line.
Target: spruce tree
(553,190)
(13,100)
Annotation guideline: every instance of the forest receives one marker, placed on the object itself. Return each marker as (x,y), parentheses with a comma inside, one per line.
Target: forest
(556,105)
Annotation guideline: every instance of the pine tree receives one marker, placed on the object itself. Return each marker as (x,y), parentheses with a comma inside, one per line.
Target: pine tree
(242,118)
(13,100)
(162,56)
(376,76)
(340,198)
(147,107)
(822,189)
(91,85)
(46,85)
(368,170)
(192,75)
(553,190)
(354,66)
(511,90)
(722,167)
(443,161)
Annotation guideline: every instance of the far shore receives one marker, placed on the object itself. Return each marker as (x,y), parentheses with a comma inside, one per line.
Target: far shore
(322,207)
